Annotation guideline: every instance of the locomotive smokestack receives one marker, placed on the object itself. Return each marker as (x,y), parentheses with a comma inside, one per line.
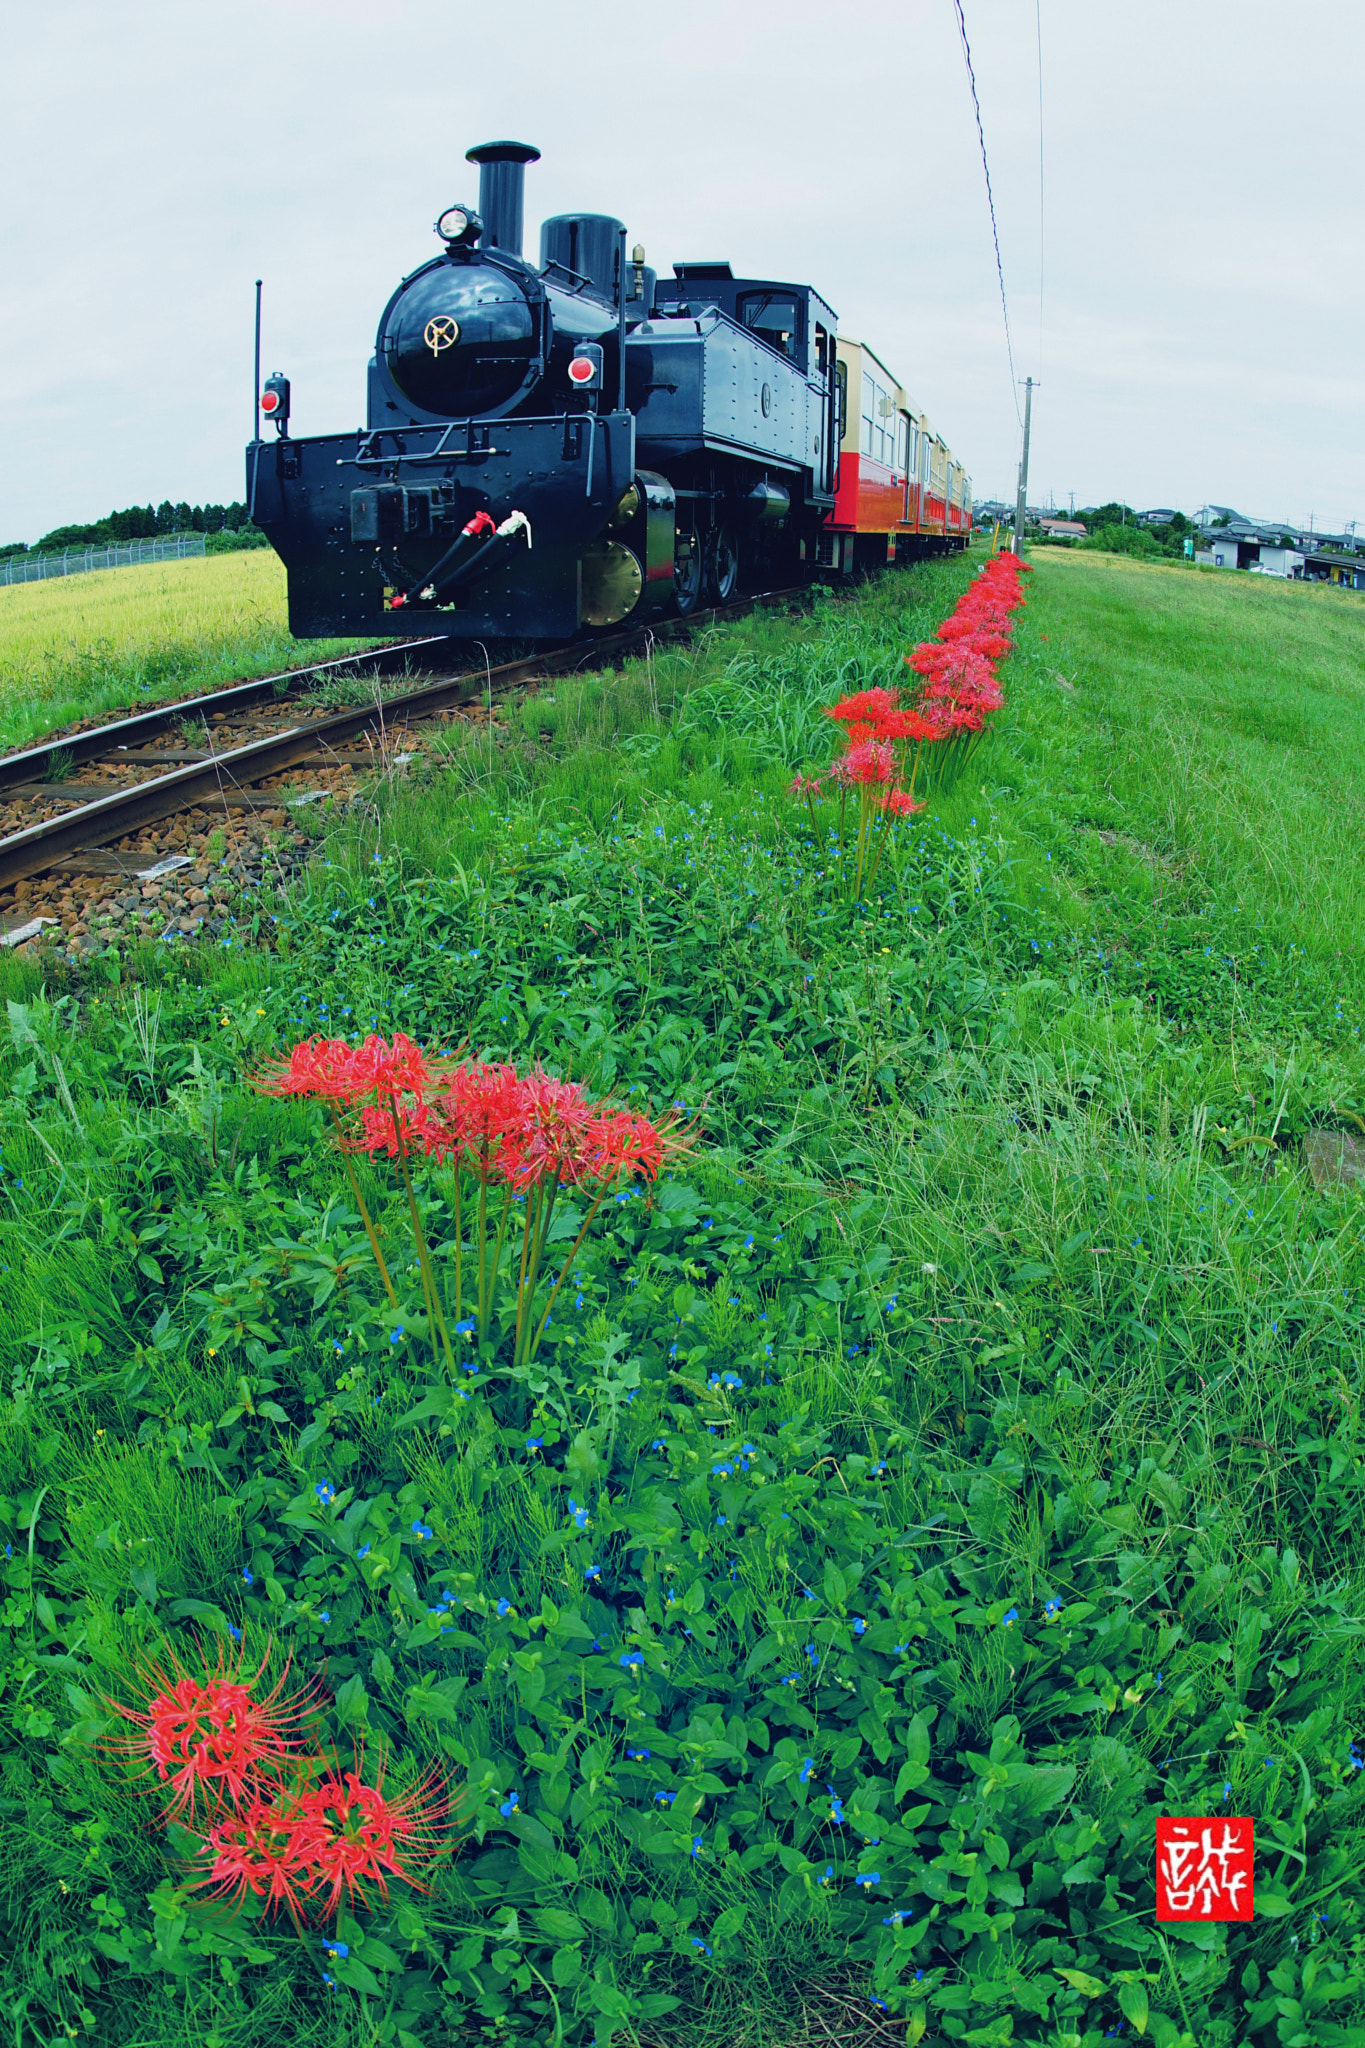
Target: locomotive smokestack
(502,186)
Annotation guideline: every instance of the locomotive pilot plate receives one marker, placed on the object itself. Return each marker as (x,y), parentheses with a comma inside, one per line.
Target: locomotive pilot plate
(441,333)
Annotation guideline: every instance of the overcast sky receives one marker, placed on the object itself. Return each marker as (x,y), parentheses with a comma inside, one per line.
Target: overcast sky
(1202,286)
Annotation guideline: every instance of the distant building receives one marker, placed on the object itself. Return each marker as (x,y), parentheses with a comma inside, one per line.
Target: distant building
(1161,515)
(1326,566)
(1063,529)
(1232,550)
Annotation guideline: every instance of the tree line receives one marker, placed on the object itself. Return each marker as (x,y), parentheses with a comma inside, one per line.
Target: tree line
(139,522)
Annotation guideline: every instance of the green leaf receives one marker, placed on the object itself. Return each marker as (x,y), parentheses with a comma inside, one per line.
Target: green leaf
(1271,1902)
(352,1701)
(566,1965)
(1080,1980)
(559,1925)
(1133,2004)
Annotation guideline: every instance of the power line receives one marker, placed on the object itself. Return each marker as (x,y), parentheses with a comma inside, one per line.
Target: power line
(990,201)
(1038,23)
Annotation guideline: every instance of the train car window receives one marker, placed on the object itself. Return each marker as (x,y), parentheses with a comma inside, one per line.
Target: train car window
(775,317)
(821,350)
(841,387)
(869,414)
(902,444)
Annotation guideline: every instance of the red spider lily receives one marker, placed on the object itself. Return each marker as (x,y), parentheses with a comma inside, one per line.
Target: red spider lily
(315,1066)
(396,1133)
(900,804)
(555,1131)
(384,1070)
(204,1733)
(907,725)
(269,1847)
(357,1837)
(864,706)
(869,762)
(804,785)
(471,1117)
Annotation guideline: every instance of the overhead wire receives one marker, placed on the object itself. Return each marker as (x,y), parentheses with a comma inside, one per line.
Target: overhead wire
(1038,23)
(990,201)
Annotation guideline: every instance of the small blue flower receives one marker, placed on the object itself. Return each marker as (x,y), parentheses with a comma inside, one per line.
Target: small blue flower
(879,2004)
(859,1625)
(748,1242)
(396,1334)
(503,1607)
(234,1632)
(325,1491)
(422,1531)
(812,1653)
(638,1756)
(325,1615)
(590,1571)
(1008,1620)
(660,1443)
(630,1660)
(1354,1760)
(248,1576)
(364,1550)
(664,1798)
(899,1649)
(1227,1789)
(580,1515)
(1052,1606)
(535,1443)
(328,1979)
(466,1328)
(836,1811)
(509,1806)
(898,1918)
(697,1942)
(827,1875)
(335,1949)
(698,1844)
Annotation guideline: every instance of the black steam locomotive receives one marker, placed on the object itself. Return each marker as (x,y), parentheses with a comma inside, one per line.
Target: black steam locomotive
(551,448)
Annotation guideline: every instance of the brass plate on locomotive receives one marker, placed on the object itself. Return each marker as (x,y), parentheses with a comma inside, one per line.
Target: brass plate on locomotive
(612,582)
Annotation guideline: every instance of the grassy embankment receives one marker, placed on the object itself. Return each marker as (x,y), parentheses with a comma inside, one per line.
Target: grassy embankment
(1041,1479)
(84,646)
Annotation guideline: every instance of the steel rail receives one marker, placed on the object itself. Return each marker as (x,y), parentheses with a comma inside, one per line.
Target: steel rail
(103,739)
(221,776)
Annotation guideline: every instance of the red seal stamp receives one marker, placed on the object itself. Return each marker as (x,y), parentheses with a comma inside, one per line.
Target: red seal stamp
(1203,1868)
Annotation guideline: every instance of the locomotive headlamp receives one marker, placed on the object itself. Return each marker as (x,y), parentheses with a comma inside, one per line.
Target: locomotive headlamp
(585,367)
(458,225)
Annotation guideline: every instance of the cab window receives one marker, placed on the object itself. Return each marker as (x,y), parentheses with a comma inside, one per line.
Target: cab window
(775,317)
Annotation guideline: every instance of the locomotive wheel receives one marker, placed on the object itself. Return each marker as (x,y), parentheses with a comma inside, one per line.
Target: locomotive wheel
(688,574)
(722,564)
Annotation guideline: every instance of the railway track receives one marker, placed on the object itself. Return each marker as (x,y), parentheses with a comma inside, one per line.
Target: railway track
(159,822)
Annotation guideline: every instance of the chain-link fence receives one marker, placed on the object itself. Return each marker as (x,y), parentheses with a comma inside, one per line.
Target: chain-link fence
(128,554)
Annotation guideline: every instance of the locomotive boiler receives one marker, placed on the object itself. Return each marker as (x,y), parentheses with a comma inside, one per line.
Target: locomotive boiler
(556,445)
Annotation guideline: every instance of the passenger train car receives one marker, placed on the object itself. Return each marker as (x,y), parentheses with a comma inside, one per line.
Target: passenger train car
(901,493)
(578,442)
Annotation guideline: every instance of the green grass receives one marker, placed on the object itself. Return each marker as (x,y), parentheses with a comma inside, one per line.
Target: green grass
(1000,1223)
(80,647)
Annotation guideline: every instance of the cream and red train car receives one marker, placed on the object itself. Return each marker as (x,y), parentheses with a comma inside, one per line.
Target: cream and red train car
(901,493)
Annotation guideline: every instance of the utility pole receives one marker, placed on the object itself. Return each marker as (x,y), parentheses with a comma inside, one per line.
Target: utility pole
(1021,503)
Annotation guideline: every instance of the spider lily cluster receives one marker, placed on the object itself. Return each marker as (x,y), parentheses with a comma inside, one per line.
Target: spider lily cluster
(277,1818)
(508,1141)
(889,746)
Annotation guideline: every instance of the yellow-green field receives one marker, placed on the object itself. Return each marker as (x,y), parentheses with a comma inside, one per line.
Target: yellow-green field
(74,646)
